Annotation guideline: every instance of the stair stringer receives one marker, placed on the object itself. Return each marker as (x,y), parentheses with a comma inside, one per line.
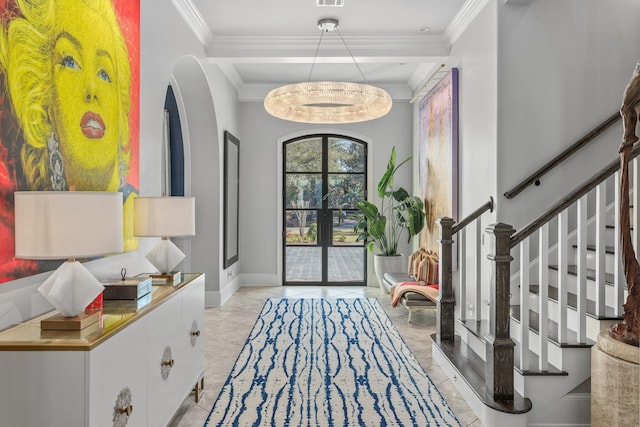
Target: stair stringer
(574,409)
(488,416)
(544,390)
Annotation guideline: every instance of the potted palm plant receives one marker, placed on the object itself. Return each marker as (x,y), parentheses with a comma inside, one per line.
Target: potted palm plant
(382,228)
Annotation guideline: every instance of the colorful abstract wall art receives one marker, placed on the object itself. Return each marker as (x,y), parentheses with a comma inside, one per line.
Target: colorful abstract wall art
(438,156)
(69,107)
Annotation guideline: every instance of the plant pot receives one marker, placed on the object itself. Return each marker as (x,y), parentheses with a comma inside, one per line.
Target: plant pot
(388,264)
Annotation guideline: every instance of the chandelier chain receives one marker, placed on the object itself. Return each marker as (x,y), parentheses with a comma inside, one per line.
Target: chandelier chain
(315,56)
(351,54)
(328,101)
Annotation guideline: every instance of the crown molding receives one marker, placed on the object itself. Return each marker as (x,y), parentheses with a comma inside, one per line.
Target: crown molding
(463,18)
(194,20)
(231,73)
(283,49)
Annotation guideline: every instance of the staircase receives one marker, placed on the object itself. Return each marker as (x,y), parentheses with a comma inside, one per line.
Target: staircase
(518,344)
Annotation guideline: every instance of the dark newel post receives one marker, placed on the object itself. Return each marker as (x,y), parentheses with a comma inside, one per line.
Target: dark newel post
(446,301)
(499,363)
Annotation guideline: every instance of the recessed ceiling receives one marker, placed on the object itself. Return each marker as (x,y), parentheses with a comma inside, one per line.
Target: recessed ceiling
(270,43)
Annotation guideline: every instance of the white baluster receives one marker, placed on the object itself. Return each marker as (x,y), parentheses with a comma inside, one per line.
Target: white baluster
(543,297)
(581,264)
(601,216)
(524,305)
(479,258)
(563,274)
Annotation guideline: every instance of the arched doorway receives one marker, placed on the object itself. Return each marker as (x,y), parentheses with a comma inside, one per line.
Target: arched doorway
(325,175)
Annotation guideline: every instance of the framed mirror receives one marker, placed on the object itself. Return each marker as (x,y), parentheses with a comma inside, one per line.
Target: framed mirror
(231,202)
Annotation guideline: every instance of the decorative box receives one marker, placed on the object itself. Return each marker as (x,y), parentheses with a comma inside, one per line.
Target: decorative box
(131,288)
(173,278)
(128,306)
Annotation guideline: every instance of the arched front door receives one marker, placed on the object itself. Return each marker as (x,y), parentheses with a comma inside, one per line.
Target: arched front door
(324,177)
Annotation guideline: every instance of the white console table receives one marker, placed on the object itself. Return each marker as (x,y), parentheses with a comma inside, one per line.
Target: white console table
(133,369)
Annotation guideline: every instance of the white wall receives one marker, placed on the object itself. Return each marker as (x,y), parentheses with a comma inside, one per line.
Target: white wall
(475,55)
(164,41)
(533,79)
(260,242)
(562,69)
(225,101)
(203,132)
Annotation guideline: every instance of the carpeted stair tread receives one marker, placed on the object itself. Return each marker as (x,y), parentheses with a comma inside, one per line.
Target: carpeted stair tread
(572,301)
(572,338)
(471,368)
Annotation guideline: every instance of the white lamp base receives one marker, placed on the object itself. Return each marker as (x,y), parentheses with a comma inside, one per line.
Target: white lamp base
(70,288)
(165,256)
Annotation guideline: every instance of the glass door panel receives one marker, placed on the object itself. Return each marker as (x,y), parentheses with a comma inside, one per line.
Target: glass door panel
(301,227)
(342,229)
(303,264)
(345,265)
(324,179)
(346,155)
(304,155)
(345,190)
(303,191)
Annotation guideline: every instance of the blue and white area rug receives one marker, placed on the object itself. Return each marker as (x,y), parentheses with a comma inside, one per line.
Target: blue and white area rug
(328,362)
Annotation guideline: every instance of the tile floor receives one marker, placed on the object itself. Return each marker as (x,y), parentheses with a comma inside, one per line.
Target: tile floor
(227,327)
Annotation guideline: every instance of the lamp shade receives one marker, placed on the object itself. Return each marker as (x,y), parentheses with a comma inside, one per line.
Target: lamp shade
(67,224)
(164,216)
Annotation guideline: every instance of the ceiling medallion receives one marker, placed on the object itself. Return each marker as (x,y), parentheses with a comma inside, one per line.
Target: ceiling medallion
(328,102)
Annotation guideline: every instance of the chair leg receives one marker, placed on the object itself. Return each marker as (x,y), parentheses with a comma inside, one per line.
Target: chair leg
(409,318)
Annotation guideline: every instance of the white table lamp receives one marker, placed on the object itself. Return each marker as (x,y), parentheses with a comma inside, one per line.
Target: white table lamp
(164,217)
(52,225)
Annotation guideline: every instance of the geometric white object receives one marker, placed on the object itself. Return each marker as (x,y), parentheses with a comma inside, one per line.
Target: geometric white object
(71,288)
(165,256)
(68,224)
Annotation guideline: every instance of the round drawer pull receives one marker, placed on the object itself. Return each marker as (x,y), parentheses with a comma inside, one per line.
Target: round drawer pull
(166,363)
(123,408)
(128,410)
(195,333)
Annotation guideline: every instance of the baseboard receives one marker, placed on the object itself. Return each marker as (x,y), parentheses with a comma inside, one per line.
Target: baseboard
(218,298)
(260,279)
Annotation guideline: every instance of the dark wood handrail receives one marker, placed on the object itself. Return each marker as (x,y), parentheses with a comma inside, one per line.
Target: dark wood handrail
(534,178)
(569,199)
(473,216)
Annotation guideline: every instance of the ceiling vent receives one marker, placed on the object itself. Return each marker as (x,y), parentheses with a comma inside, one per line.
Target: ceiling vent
(339,3)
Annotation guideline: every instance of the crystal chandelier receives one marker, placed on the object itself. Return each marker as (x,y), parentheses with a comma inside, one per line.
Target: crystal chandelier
(327,101)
